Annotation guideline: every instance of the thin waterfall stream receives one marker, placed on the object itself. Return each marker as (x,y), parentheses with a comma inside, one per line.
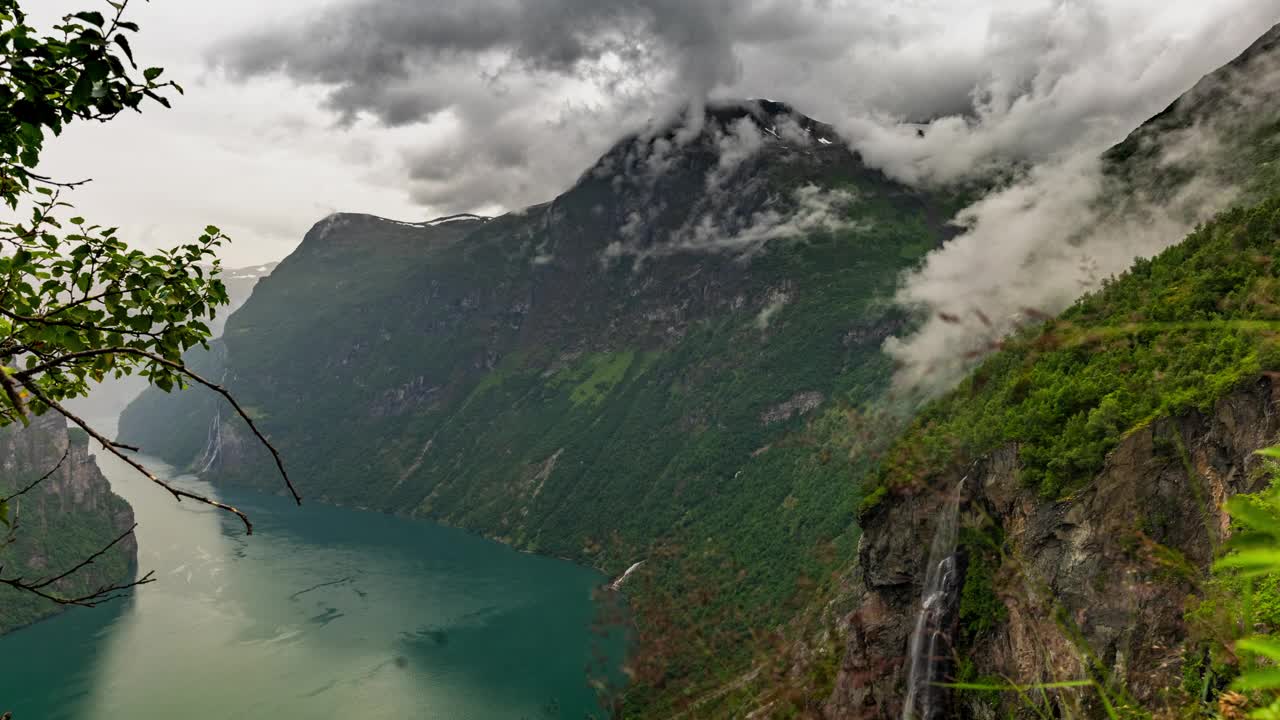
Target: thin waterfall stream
(213,446)
(930,649)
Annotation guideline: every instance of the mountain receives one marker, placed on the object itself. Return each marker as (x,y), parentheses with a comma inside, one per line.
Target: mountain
(1219,134)
(678,361)
(614,376)
(60,522)
(1061,509)
(112,395)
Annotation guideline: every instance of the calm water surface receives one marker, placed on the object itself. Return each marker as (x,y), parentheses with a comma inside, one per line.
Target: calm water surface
(322,613)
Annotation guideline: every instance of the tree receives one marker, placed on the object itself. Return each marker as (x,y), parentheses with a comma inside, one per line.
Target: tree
(76,302)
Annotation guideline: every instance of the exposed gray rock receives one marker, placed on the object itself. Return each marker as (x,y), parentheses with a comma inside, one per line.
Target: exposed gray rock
(1085,561)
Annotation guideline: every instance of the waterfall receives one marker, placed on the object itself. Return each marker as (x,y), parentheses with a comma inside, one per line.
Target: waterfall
(930,652)
(213,446)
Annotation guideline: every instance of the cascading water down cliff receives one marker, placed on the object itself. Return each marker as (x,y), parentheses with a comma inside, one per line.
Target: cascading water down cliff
(213,446)
(931,656)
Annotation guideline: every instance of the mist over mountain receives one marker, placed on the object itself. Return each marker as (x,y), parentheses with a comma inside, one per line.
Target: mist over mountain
(1038,242)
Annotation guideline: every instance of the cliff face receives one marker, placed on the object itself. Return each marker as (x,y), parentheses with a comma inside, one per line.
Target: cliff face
(1105,572)
(61,521)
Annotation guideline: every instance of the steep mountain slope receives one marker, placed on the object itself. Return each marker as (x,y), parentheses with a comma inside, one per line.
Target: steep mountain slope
(1090,456)
(1094,451)
(612,377)
(61,521)
(1221,133)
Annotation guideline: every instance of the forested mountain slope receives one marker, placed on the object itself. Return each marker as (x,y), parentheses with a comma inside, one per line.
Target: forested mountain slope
(611,377)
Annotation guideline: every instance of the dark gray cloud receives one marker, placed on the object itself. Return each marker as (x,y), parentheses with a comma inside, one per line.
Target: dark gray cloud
(516,97)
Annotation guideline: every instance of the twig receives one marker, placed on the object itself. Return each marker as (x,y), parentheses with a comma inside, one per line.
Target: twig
(46,180)
(25,375)
(113,448)
(103,594)
(87,561)
(42,478)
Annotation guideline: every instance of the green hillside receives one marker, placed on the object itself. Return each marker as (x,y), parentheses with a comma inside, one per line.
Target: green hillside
(1173,334)
(523,378)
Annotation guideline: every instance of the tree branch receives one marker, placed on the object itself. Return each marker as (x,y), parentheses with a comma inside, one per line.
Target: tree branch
(25,375)
(14,394)
(103,594)
(113,448)
(37,320)
(41,479)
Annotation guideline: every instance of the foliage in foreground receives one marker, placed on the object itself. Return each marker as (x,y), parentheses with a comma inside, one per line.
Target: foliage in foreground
(77,304)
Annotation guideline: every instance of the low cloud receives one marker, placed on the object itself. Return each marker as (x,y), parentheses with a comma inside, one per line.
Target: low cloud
(742,141)
(1064,78)
(811,210)
(1069,224)
(1029,251)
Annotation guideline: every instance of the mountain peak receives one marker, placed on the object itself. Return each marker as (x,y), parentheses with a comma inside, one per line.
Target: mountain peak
(773,119)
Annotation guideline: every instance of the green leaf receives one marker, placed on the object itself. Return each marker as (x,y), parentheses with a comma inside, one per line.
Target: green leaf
(1252,561)
(1264,645)
(1062,685)
(1264,679)
(91,16)
(123,42)
(1258,517)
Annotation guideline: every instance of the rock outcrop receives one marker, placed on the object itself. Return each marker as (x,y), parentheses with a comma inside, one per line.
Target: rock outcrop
(1104,573)
(60,521)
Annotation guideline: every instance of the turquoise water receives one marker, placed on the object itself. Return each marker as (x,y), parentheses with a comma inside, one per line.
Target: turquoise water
(322,613)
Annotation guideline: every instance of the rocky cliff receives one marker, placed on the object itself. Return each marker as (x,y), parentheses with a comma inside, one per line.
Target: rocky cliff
(61,521)
(1091,585)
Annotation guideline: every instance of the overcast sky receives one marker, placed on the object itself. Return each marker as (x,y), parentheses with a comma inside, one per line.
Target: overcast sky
(413,109)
